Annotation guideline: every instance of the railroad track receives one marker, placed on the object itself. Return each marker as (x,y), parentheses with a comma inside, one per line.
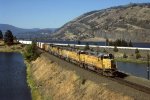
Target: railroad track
(132,85)
(119,80)
(126,83)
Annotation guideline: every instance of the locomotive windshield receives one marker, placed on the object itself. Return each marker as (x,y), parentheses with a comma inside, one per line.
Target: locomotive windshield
(106,56)
(111,56)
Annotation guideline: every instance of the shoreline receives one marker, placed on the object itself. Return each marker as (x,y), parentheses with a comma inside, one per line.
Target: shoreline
(130,61)
(35,94)
(18,48)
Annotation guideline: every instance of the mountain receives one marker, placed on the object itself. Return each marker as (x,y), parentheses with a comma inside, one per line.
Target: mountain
(26,33)
(40,33)
(15,30)
(128,22)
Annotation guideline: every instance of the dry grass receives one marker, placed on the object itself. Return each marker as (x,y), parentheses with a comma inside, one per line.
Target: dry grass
(57,83)
(12,48)
(34,91)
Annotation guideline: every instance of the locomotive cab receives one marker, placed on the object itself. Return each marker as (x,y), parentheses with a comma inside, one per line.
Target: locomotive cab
(109,66)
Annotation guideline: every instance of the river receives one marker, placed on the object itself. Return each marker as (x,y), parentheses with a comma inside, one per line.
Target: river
(13,85)
(135,69)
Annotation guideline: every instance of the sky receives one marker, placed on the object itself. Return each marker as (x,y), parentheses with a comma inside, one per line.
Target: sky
(51,13)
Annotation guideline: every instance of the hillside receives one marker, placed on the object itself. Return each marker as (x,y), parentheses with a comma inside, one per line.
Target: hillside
(57,83)
(129,22)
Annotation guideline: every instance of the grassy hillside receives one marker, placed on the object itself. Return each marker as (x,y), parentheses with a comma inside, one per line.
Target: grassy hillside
(129,22)
(56,83)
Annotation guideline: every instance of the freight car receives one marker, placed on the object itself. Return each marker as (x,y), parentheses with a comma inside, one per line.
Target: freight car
(103,63)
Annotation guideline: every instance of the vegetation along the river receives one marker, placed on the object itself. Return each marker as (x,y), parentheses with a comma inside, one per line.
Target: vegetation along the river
(121,55)
(8,43)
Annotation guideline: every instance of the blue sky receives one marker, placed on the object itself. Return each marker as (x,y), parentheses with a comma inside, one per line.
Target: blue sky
(50,13)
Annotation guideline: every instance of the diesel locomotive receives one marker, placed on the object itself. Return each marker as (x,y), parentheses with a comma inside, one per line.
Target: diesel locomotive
(102,63)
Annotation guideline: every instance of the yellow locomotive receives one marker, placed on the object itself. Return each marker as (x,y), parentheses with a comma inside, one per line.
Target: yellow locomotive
(104,63)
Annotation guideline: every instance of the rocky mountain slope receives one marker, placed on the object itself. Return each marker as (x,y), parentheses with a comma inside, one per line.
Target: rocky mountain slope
(129,22)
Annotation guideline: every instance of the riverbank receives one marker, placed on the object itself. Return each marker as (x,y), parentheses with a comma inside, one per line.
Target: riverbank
(121,55)
(34,91)
(130,60)
(126,55)
(20,49)
(12,48)
(55,82)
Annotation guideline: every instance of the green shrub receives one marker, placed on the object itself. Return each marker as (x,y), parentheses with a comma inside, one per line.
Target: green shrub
(124,55)
(68,45)
(104,50)
(22,45)
(136,51)
(83,81)
(30,52)
(79,42)
(132,55)
(130,44)
(120,42)
(138,55)
(87,46)
(115,49)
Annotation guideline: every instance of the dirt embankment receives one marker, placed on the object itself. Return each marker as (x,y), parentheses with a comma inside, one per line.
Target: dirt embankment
(57,83)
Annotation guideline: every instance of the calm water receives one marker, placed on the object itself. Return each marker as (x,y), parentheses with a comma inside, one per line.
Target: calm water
(13,84)
(139,70)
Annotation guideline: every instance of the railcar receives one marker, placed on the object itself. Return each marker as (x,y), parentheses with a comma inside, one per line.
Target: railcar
(103,63)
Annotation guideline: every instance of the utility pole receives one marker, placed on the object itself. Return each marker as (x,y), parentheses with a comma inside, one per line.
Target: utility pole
(148,66)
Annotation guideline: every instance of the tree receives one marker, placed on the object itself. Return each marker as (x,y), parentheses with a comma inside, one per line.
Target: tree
(97,50)
(119,42)
(136,51)
(68,45)
(1,35)
(138,55)
(8,37)
(124,55)
(111,43)
(124,43)
(107,42)
(87,46)
(130,44)
(79,42)
(104,50)
(115,49)
(30,51)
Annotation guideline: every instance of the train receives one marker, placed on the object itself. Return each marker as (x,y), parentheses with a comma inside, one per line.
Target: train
(102,63)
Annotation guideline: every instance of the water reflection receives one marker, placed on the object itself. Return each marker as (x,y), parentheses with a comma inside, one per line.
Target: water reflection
(139,70)
(13,84)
